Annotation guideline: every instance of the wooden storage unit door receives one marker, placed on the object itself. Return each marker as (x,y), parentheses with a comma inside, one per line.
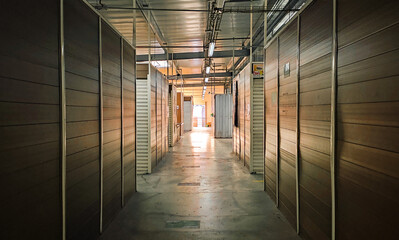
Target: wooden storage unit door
(153,98)
(159,115)
(83,131)
(129,120)
(29,122)
(271,98)
(165,115)
(112,122)
(242,116)
(246,74)
(288,56)
(368,120)
(314,119)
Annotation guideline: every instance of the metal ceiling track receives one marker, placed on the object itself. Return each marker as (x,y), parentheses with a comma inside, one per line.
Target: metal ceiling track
(193,55)
(225,10)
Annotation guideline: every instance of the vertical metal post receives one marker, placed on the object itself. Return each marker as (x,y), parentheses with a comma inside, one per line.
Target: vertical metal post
(135,75)
(333,116)
(167,65)
(100,52)
(134,25)
(251,95)
(234,68)
(149,98)
(278,123)
(250,37)
(298,32)
(122,134)
(62,117)
(264,91)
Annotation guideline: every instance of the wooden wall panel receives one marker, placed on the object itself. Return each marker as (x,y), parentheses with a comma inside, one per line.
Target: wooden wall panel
(367,148)
(111,55)
(129,120)
(271,95)
(82,95)
(314,115)
(153,118)
(241,94)
(288,49)
(159,115)
(165,116)
(245,74)
(29,121)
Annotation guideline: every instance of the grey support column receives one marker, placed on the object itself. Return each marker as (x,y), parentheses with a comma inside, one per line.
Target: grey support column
(62,117)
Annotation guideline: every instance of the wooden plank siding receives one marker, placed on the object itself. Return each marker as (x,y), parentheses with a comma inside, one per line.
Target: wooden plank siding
(367,152)
(83,131)
(271,95)
(112,123)
(314,118)
(153,118)
(31,158)
(129,120)
(247,111)
(159,116)
(29,121)
(288,49)
(368,120)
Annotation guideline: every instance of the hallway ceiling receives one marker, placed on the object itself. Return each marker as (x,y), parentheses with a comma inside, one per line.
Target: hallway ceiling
(185,31)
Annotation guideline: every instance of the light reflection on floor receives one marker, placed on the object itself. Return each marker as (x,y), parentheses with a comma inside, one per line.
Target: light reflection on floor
(200,180)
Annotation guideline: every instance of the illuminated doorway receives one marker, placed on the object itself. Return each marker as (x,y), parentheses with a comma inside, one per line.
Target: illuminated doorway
(199,116)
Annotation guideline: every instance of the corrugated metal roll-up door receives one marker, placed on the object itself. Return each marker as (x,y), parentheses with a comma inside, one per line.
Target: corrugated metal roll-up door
(143,114)
(223,116)
(257,126)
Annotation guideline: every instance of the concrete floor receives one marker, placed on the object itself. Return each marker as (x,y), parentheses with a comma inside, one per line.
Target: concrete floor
(222,200)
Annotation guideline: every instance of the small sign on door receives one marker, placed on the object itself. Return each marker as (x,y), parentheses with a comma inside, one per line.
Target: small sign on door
(287,69)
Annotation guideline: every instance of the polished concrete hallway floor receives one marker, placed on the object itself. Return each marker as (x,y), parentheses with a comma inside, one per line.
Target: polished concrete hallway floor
(200,191)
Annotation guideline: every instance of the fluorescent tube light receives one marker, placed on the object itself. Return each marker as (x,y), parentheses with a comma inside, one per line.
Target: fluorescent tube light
(208,70)
(206,79)
(211,49)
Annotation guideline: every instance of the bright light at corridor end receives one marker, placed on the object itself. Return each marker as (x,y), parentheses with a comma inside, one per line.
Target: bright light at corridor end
(208,70)
(211,49)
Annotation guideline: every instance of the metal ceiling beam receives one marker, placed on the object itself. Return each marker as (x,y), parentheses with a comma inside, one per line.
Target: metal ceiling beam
(202,84)
(200,75)
(149,17)
(193,55)
(258,35)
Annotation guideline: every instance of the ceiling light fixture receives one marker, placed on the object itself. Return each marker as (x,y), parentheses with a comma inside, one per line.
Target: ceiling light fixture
(206,79)
(208,70)
(211,49)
